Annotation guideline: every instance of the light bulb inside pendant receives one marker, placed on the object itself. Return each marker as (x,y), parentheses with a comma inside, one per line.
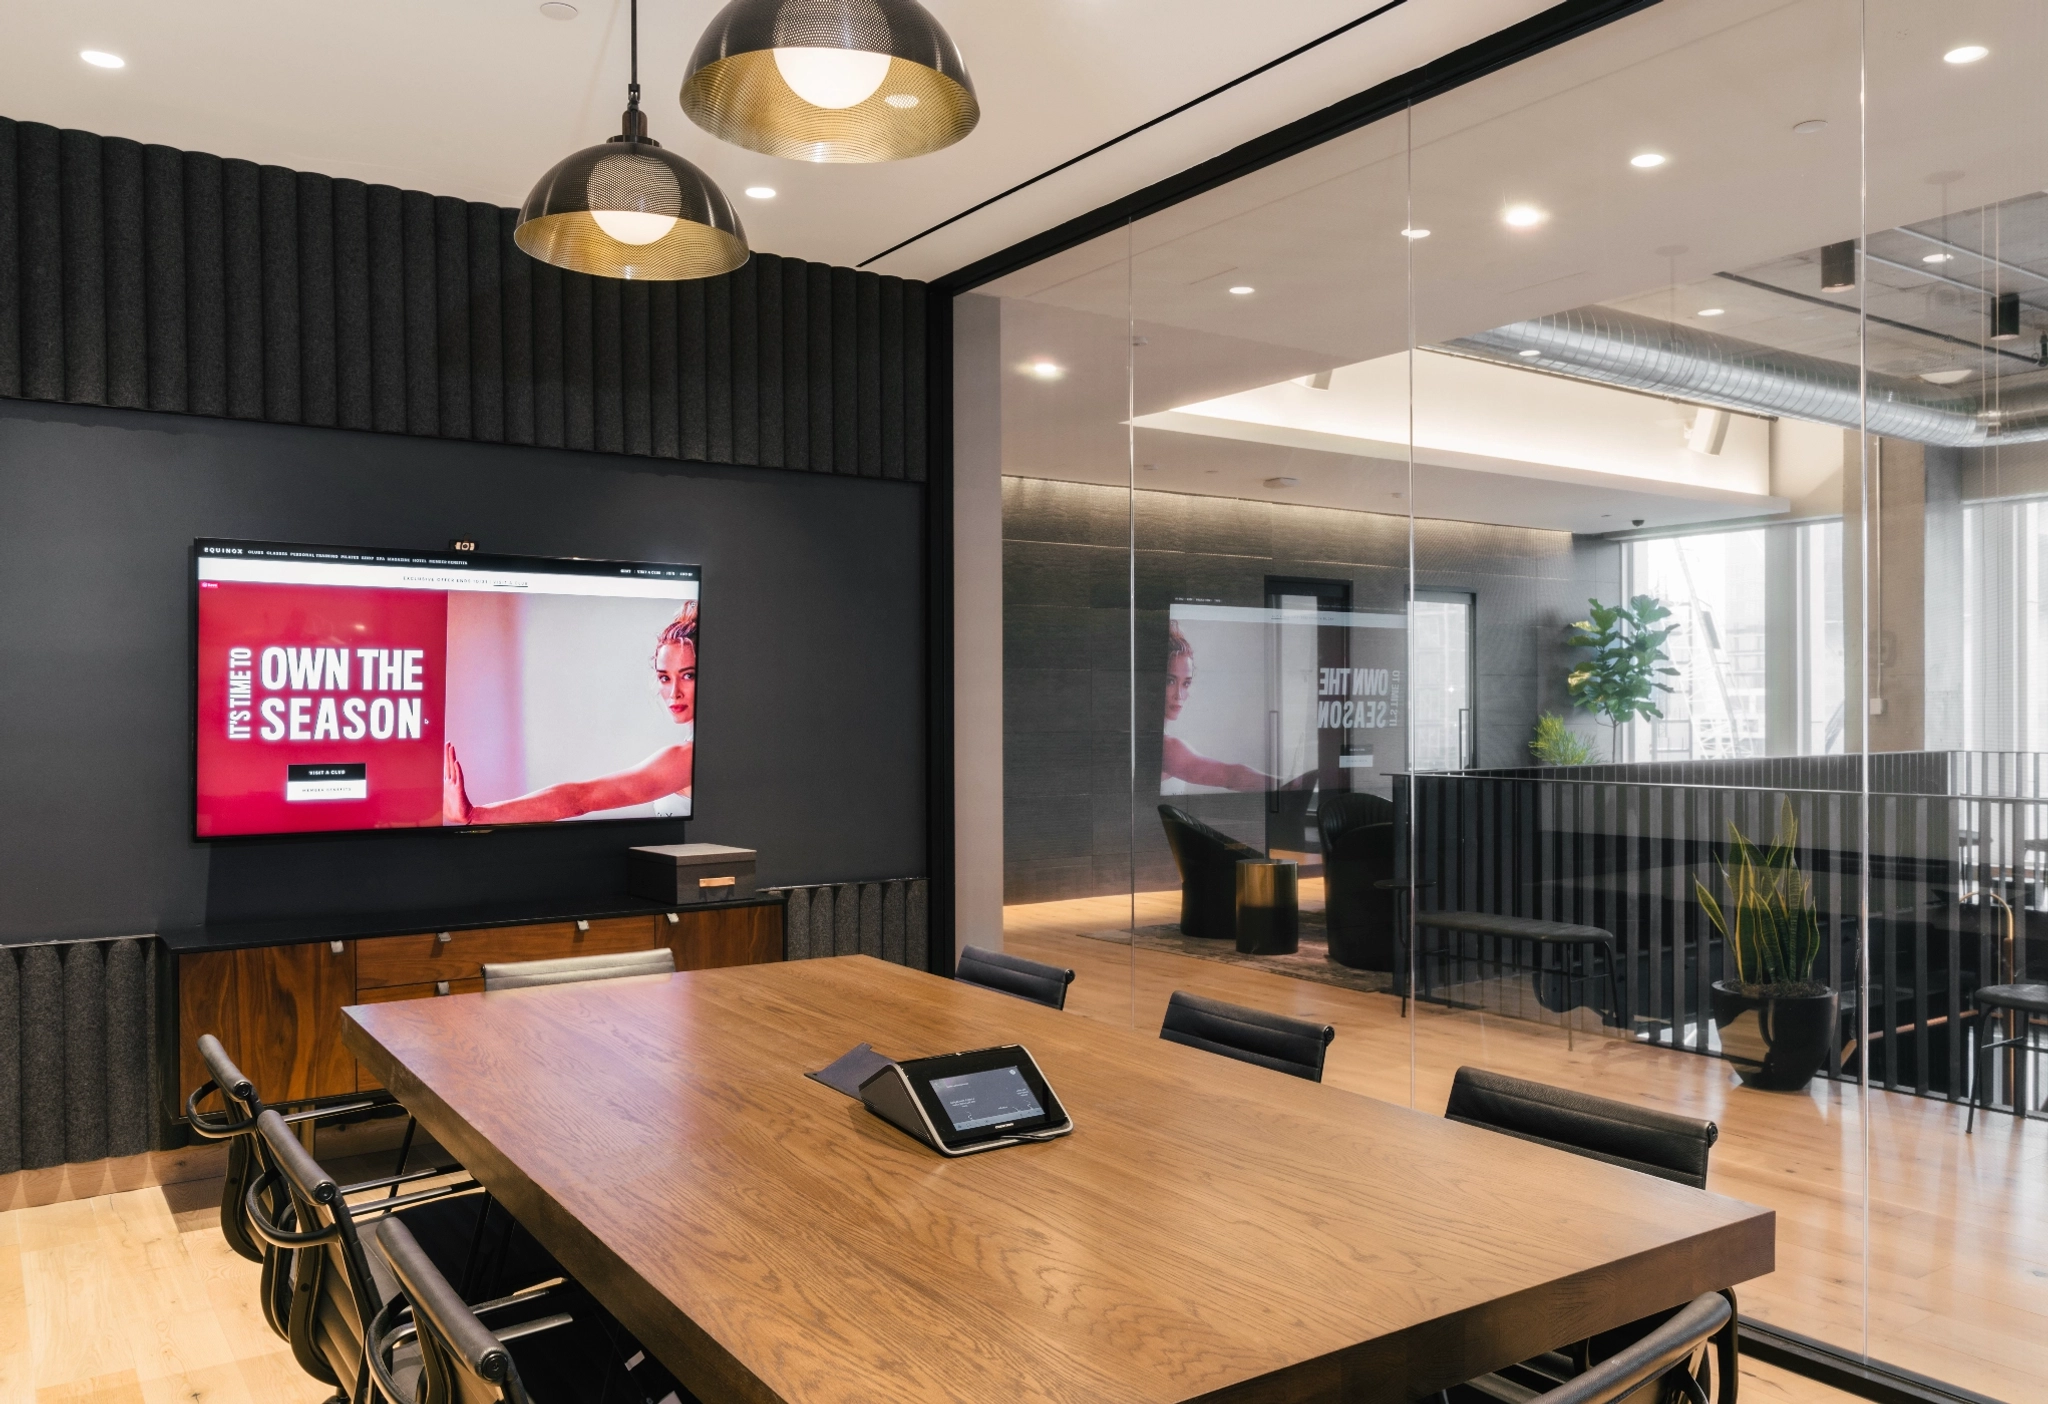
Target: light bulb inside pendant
(634,226)
(832,78)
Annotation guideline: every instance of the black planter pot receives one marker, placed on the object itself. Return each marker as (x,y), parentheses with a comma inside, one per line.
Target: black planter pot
(1777,1042)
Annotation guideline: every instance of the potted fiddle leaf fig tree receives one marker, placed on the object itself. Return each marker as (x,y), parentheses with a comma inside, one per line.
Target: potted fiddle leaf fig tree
(1777,1023)
(1628,663)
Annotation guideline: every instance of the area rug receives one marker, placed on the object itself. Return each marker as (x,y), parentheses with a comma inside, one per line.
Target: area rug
(1311,962)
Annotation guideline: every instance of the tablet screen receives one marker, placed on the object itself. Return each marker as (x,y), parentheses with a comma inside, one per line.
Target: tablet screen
(976,1099)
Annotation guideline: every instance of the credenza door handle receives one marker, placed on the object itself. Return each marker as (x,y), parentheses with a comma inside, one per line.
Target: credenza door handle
(440,987)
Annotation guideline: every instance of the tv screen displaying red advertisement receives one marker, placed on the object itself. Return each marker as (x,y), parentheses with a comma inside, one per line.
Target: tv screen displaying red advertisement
(341,689)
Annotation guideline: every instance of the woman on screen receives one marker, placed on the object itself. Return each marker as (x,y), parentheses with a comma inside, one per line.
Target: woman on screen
(662,780)
(1179,761)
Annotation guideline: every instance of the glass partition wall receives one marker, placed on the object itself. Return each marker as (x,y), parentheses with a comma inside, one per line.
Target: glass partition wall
(1540,504)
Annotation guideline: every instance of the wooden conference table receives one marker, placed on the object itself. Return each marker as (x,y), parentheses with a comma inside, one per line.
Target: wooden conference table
(1211,1230)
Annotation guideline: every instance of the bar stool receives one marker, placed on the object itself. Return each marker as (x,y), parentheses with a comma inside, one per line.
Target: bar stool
(2021,1001)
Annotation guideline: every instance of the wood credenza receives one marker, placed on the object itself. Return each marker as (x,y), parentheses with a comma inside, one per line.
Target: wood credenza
(277,1008)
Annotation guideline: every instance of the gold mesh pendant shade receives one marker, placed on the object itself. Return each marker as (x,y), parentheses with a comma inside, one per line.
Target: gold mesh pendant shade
(830,80)
(629,209)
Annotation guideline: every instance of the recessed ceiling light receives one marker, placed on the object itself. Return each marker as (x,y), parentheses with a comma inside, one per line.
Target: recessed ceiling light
(1414,233)
(1968,53)
(760,192)
(901,99)
(1945,377)
(1523,216)
(1810,126)
(1531,352)
(100,59)
(1046,370)
(1937,258)
(1712,311)
(558,9)
(1649,160)
(1242,290)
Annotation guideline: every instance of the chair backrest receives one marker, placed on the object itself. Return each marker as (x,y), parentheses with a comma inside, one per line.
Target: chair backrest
(1013,975)
(570,970)
(234,1123)
(1667,1352)
(1195,843)
(1249,1035)
(1340,814)
(1657,1143)
(460,1361)
(333,1294)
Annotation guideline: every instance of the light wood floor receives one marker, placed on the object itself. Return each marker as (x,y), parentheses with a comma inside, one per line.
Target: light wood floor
(1958,1226)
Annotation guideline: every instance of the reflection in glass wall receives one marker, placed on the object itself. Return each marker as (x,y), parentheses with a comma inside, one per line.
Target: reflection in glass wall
(1438,562)
(1954,273)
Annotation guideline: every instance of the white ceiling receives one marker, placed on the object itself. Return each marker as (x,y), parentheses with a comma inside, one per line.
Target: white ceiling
(477,99)
(1715,85)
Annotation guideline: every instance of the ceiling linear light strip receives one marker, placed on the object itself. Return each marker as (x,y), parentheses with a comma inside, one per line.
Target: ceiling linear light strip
(838,81)
(1612,347)
(1854,310)
(626,208)
(1141,128)
(1970,253)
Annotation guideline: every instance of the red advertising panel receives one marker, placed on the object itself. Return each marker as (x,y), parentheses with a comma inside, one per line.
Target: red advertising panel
(352,689)
(320,707)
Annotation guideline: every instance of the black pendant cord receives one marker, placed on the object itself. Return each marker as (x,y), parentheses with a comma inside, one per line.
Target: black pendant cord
(633,127)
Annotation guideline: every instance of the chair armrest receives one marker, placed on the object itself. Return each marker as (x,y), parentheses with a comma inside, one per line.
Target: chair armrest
(407,1201)
(322,1113)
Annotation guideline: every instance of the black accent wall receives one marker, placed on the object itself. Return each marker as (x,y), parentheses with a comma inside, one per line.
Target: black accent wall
(402,375)
(149,278)
(811,703)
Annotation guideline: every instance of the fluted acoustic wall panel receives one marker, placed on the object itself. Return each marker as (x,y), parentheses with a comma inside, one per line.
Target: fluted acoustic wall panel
(150,278)
(77,1051)
(886,919)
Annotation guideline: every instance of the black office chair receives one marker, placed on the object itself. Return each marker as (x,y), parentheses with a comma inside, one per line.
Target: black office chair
(1643,1139)
(2023,1002)
(431,1347)
(1013,975)
(336,1288)
(1657,1143)
(574,970)
(1292,1046)
(248,1164)
(1671,1361)
(235,1123)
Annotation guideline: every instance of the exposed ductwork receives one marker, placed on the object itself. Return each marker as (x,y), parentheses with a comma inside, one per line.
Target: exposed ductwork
(1641,353)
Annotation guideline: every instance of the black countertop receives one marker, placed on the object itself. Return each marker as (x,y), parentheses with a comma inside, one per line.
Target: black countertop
(244,935)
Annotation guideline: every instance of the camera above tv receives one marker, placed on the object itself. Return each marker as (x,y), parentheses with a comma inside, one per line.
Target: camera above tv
(341,689)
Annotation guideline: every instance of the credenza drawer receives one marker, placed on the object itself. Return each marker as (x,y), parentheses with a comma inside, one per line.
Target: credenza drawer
(393,961)
(385,994)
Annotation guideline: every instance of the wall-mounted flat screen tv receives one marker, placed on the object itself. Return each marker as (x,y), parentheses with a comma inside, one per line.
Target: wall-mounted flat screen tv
(341,689)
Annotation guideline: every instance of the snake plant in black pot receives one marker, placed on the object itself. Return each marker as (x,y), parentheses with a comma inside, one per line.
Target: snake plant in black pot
(1777,1023)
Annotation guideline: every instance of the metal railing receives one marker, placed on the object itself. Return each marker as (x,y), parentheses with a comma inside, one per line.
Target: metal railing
(1624,854)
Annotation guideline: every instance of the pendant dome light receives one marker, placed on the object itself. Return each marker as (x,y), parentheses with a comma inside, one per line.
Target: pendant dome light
(628,209)
(830,80)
